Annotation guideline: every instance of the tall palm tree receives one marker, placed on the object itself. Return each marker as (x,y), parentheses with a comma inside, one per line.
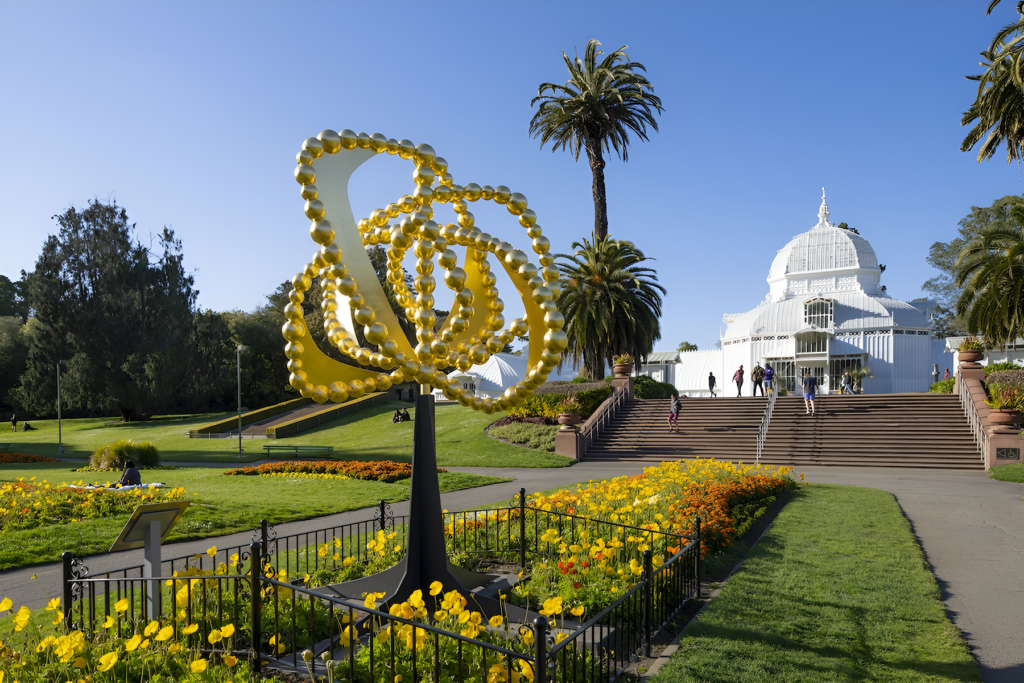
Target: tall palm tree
(998,109)
(595,110)
(991,271)
(611,303)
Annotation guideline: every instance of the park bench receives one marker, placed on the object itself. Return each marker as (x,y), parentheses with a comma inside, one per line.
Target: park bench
(295,450)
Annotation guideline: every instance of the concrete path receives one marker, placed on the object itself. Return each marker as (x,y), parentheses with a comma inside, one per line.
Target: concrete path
(971,529)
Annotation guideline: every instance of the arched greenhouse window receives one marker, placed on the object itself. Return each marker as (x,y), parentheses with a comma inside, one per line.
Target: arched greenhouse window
(818,312)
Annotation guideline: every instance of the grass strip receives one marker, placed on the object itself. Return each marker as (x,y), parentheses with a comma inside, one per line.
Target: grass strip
(837,590)
(1013,473)
(366,435)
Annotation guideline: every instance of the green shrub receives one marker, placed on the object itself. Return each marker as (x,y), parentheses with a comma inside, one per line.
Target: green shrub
(540,437)
(1000,367)
(943,387)
(647,388)
(1010,377)
(579,380)
(115,455)
(546,405)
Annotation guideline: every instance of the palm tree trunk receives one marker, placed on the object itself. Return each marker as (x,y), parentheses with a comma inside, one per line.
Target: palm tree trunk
(600,200)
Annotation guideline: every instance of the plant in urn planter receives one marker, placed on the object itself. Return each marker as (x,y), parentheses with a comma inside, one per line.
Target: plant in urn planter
(568,415)
(622,365)
(970,350)
(1004,401)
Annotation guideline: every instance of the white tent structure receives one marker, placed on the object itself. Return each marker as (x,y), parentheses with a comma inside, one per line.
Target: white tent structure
(501,371)
(826,313)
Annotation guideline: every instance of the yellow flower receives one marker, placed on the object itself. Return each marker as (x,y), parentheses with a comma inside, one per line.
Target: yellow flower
(79,663)
(165,634)
(190,629)
(227,630)
(53,605)
(5,604)
(144,644)
(151,628)
(230,661)
(212,551)
(198,666)
(495,621)
(577,611)
(215,636)
(371,600)
(398,678)
(552,606)
(107,661)
(440,615)
(436,588)
(559,637)
(121,605)
(108,622)
(174,647)
(133,643)
(21,618)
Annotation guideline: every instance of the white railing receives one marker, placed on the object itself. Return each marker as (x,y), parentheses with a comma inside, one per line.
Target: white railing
(762,431)
(591,430)
(971,412)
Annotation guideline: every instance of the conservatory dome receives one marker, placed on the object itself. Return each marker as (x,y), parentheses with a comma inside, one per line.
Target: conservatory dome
(826,258)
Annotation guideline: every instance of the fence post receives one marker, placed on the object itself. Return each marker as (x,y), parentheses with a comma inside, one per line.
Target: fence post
(66,562)
(255,553)
(648,601)
(263,537)
(522,529)
(697,555)
(540,650)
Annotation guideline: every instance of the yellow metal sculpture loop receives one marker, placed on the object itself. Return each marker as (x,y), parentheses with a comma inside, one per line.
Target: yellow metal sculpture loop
(354,299)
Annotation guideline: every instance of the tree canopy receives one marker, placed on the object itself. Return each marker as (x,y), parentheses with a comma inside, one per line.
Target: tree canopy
(686,346)
(595,110)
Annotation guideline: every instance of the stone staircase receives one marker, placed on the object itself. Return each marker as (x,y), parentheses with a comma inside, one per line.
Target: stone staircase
(880,430)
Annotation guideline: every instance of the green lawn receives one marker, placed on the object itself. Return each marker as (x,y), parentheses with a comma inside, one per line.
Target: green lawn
(838,590)
(223,505)
(366,435)
(1008,473)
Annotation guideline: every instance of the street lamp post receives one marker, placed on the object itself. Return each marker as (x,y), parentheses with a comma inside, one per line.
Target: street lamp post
(240,349)
(60,431)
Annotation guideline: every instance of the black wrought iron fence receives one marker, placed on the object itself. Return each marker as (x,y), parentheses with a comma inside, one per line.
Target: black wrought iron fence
(263,595)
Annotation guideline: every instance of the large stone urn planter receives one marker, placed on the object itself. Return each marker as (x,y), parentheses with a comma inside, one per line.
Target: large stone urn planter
(569,420)
(970,356)
(1004,417)
(622,370)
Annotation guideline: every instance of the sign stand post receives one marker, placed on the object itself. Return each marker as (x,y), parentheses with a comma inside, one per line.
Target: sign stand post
(146,528)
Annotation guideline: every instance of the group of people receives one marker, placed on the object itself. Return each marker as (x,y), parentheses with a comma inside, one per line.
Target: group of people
(400,416)
(24,427)
(761,378)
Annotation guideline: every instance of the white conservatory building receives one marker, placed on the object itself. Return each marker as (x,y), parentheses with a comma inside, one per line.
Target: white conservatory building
(825,312)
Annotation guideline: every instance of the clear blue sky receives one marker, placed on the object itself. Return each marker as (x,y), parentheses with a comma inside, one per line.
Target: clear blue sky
(190,115)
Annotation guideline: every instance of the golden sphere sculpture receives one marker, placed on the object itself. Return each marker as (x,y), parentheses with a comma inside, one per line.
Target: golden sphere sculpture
(353,298)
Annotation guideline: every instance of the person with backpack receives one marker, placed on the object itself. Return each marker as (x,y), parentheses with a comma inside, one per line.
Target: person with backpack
(810,389)
(769,376)
(738,378)
(673,414)
(756,378)
(711,384)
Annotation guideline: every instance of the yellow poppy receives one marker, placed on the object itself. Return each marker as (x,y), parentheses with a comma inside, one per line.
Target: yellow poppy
(107,662)
(121,605)
(198,666)
(190,629)
(133,643)
(151,628)
(165,634)
(227,630)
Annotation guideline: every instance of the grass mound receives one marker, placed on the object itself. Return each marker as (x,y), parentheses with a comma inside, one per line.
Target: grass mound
(837,590)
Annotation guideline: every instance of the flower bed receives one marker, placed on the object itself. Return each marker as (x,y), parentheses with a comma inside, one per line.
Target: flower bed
(30,504)
(23,458)
(387,471)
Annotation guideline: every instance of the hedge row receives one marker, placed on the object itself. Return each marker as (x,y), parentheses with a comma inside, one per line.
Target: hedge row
(647,388)
(546,405)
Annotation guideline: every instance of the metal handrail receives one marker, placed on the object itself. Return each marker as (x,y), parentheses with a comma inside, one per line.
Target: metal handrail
(971,412)
(762,431)
(606,412)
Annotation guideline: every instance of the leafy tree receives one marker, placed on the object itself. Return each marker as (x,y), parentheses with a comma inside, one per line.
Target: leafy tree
(611,303)
(594,111)
(686,346)
(990,269)
(13,354)
(998,108)
(12,302)
(118,313)
(942,256)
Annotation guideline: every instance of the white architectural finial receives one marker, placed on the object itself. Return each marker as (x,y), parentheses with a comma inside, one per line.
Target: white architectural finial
(823,212)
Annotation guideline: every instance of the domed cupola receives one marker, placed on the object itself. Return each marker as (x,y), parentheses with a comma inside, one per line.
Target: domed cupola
(824,259)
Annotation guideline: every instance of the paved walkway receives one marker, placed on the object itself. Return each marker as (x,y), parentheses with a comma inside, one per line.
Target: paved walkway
(971,528)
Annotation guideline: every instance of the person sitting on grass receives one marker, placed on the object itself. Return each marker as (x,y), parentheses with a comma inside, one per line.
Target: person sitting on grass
(131,476)
(405,415)
(397,417)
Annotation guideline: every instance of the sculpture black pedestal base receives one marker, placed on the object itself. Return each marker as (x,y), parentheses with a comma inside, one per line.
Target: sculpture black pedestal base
(426,558)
